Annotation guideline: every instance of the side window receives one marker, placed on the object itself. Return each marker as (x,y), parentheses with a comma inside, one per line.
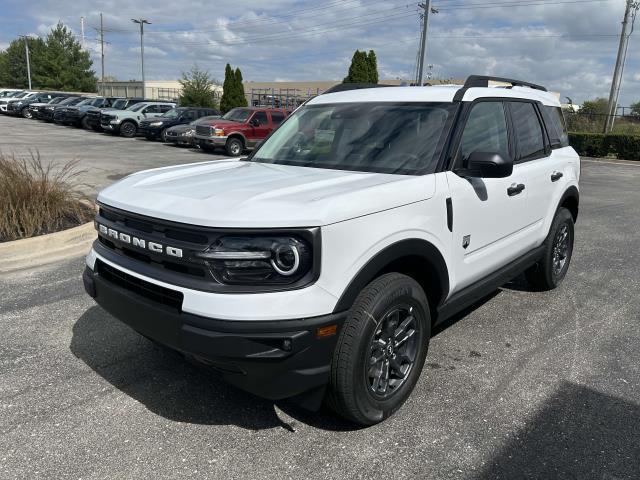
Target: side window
(556,126)
(277,117)
(151,109)
(485,131)
(528,131)
(261,117)
(189,115)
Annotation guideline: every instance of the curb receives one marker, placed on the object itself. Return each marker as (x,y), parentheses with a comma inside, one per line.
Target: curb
(44,249)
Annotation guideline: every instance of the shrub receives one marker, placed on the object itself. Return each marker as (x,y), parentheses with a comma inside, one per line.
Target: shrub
(38,198)
(625,147)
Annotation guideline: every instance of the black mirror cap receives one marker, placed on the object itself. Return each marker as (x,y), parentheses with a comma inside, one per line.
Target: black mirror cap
(255,122)
(489,165)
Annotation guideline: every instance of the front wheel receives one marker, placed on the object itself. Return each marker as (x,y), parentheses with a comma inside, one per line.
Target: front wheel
(128,129)
(551,269)
(234,147)
(84,123)
(26,113)
(381,350)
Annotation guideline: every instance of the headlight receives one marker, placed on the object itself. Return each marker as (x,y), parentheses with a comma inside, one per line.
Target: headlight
(155,124)
(218,132)
(189,133)
(238,260)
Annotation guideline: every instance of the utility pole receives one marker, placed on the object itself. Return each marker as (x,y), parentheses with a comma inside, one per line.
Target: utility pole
(142,22)
(82,32)
(102,53)
(630,11)
(426,6)
(26,49)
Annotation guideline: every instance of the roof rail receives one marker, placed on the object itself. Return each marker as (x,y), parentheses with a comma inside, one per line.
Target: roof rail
(344,87)
(483,81)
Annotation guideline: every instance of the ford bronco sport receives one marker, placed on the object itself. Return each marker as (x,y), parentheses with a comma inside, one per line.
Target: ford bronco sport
(317,267)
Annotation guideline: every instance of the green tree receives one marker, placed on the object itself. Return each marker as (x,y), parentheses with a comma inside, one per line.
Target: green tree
(359,69)
(197,89)
(635,109)
(372,62)
(13,63)
(239,96)
(65,65)
(599,106)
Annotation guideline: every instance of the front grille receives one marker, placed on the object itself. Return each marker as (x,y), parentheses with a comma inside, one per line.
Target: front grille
(148,290)
(203,130)
(105,118)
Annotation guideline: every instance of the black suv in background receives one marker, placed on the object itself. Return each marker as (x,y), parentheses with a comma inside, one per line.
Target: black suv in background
(153,128)
(46,113)
(92,119)
(34,108)
(21,107)
(77,114)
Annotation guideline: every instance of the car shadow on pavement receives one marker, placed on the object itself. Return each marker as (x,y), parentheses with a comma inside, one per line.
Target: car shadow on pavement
(578,433)
(168,385)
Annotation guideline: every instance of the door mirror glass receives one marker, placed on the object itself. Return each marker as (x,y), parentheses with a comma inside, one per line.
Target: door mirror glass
(489,165)
(254,122)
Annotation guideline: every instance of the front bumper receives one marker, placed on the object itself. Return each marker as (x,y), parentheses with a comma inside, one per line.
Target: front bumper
(211,141)
(271,359)
(149,131)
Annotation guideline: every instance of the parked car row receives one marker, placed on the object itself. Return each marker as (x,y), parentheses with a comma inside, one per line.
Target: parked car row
(238,130)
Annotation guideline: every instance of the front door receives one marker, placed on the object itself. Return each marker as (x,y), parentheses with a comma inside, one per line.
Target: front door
(489,214)
(259,131)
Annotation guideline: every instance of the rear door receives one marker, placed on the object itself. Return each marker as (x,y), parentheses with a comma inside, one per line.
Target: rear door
(489,214)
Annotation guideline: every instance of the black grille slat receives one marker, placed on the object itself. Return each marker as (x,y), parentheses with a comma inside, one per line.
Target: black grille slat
(151,291)
(203,130)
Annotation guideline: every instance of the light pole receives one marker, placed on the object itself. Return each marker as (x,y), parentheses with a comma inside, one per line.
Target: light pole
(26,49)
(142,22)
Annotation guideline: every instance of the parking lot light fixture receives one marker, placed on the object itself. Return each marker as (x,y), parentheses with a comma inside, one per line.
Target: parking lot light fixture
(142,22)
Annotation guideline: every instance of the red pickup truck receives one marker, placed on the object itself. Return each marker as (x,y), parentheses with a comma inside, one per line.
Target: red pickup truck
(239,129)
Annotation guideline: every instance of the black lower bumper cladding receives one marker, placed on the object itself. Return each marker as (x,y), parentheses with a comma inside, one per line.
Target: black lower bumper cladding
(271,359)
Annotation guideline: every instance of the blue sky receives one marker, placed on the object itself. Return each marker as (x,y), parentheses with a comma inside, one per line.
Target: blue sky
(568,45)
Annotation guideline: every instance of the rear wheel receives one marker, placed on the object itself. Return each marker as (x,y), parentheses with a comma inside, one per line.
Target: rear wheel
(234,147)
(128,129)
(84,123)
(551,269)
(381,350)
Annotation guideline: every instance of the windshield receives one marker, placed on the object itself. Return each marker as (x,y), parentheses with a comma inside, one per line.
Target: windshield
(118,104)
(237,115)
(173,113)
(21,94)
(69,100)
(86,101)
(56,100)
(136,106)
(404,139)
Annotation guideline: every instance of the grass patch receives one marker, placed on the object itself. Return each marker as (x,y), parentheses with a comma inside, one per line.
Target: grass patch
(39,197)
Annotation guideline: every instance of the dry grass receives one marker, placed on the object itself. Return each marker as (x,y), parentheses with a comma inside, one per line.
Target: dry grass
(39,197)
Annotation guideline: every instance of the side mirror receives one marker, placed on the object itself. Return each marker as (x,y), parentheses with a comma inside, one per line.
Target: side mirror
(254,122)
(489,165)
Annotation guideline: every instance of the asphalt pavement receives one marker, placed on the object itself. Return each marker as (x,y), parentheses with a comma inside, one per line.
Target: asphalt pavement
(523,385)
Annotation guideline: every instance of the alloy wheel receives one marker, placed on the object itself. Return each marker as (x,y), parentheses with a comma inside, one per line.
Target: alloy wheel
(392,352)
(561,249)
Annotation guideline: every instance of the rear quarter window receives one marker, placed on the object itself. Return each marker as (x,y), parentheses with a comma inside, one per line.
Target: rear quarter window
(556,126)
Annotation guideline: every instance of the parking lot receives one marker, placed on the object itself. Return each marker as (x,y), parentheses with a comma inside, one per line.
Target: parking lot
(523,385)
(103,157)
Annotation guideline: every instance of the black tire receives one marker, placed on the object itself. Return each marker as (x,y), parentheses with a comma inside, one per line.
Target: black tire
(128,129)
(84,123)
(356,390)
(163,135)
(26,113)
(234,147)
(551,269)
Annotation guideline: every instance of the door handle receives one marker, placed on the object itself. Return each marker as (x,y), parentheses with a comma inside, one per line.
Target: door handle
(515,189)
(555,176)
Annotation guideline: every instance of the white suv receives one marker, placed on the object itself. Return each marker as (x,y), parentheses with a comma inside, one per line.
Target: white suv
(317,267)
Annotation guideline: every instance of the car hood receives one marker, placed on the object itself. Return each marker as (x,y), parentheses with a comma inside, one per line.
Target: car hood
(181,128)
(235,193)
(38,104)
(222,123)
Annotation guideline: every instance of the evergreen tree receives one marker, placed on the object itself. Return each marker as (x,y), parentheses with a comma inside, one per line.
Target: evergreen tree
(372,61)
(239,96)
(57,63)
(226,102)
(359,69)
(197,89)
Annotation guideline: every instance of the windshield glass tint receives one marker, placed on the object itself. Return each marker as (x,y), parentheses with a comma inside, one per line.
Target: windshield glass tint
(173,113)
(69,100)
(53,101)
(118,104)
(136,106)
(86,101)
(237,115)
(368,137)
